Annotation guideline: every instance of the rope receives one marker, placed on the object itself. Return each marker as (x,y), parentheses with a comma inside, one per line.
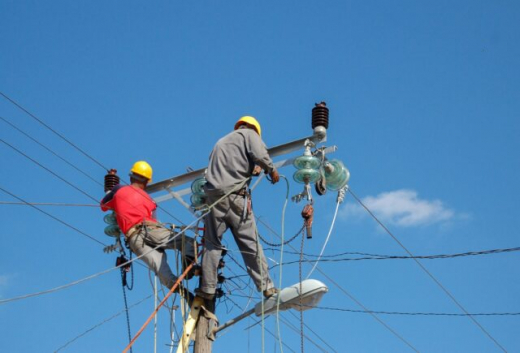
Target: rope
(3,301)
(158,307)
(188,268)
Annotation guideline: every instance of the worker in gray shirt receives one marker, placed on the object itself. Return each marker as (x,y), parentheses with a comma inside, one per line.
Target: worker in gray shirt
(234,159)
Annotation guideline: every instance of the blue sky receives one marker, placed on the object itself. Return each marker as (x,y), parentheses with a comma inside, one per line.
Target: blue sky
(424,102)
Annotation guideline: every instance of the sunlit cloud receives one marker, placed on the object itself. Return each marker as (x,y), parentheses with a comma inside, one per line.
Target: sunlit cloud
(402,207)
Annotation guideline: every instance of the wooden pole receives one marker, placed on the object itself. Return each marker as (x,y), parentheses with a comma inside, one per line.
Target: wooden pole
(202,343)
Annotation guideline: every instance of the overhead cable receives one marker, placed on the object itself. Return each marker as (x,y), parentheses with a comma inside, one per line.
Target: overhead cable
(444,289)
(69,142)
(47,204)
(51,151)
(416,313)
(368,256)
(49,170)
(344,291)
(101,323)
(53,217)
(51,129)
(326,241)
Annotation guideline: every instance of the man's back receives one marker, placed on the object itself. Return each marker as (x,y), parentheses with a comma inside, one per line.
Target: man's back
(233,159)
(132,206)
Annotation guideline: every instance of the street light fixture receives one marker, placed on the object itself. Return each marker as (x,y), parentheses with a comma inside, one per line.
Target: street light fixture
(289,298)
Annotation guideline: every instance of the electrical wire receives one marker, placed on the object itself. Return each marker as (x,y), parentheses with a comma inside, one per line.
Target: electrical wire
(314,332)
(369,256)
(326,241)
(101,324)
(4,301)
(439,284)
(400,313)
(51,151)
(70,143)
(49,170)
(281,261)
(51,129)
(47,204)
(53,217)
(345,292)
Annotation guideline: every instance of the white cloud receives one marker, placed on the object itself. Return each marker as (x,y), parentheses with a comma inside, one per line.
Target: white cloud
(402,208)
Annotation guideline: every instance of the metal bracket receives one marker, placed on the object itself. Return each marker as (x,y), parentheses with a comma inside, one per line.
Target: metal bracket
(306,193)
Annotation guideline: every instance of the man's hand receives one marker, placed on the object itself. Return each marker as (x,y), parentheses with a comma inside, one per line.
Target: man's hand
(275,177)
(257,170)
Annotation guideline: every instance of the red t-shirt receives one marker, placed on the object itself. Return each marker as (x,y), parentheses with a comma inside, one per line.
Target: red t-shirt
(131,205)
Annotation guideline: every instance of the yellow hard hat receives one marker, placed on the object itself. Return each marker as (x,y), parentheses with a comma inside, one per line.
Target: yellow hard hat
(249,120)
(143,169)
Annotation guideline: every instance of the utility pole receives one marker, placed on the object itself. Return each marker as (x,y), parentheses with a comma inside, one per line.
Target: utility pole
(202,342)
(313,168)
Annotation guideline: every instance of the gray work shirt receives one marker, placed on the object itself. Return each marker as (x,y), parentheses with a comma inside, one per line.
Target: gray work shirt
(233,159)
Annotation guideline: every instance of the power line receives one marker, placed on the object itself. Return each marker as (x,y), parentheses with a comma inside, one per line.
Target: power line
(101,323)
(403,313)
(51,151)
(416,313)
(49,170)
(53,217)
(51,129)
(47,204)
(396,257)
(393,257)
(344,291)
(72,144)
(428,273)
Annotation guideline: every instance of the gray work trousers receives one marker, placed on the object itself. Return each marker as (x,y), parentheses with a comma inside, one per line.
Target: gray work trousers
(147,238)
(225,215)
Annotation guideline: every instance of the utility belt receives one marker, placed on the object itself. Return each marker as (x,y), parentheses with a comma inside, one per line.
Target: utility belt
(139,226)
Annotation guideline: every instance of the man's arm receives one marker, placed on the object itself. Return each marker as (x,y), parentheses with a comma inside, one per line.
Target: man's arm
(106,203)
(258,151)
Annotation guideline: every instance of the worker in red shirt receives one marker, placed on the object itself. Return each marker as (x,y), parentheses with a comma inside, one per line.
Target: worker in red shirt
(146,237)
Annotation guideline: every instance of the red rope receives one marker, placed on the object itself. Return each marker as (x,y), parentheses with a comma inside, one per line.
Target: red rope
(159,306)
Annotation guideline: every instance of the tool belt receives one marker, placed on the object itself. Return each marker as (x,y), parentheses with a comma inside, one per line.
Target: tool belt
(139,226)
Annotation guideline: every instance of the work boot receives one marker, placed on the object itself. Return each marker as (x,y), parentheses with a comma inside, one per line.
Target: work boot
(204,295)
(268,293)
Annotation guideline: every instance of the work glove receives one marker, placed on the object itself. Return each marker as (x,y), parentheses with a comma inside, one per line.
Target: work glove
(275,177)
